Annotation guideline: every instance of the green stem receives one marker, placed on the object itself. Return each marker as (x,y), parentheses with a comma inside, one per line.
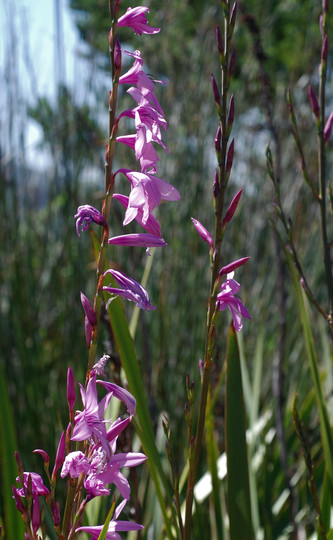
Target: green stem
(109,186)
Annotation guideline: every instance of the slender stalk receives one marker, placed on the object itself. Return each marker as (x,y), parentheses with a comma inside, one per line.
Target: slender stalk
(215,267)
(322,177)
(109,184)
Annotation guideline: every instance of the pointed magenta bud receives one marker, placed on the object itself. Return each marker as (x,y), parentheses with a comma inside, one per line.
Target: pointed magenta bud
(117,56)
(60,456)
(325,6)
(44,455)
(231,114)
(20,469)
(216,185)
(233,13)
(218,138)
(35,521)
(71,396)
(18,501)
(90,318)
(230,158)
(216,92)
(232,64)
(110,39)
(232,207)
(56,514)
(232,266)
(314,102)
(219,42)
(328,127)
(324,49)
(205,235)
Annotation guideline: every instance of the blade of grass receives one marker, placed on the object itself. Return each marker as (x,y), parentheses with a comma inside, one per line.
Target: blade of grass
(325,428)
(239,502)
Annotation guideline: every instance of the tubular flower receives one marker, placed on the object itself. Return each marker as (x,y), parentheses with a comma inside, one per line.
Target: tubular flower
(205,235)
(147,192)
(87,214)
(38,487)
(132,290)
(151,225)
(137,239)
(135,18)
(226,299)
(90,422)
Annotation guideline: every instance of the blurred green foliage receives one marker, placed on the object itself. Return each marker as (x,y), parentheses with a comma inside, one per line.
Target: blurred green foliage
(43,265)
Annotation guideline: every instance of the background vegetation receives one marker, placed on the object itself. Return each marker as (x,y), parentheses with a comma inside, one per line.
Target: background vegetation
(43,266)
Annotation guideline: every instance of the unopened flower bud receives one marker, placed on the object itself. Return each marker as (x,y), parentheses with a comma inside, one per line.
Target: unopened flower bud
(56,514)
(232,266)
(219,42)
(71,396)
(216,92)
(60,456)
(233,13)
(35,521)
(231,114)
(325,6)
(314,102)
(324,49)
(328,127)
(18,501)
(44,455)
(205,235)
(110,39)
(20,469)
(218,139)
(230,158)
(232,64)
(232,207)
(216,185)
(117,56)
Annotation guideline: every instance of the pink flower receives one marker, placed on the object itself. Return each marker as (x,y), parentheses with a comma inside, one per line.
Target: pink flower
(90,318)
(135,18)
(120,393)
(147,192)
(90,422)
(87,214)
(151,225)
(137,239)
(132,290)
(38,487)
(75,463)
(226,299)
(205,235)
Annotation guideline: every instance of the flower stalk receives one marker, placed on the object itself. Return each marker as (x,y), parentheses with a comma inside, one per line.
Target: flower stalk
(224,153)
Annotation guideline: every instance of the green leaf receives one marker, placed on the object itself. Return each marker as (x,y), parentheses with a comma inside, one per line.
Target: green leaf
(104,531)
(14,527)
(142,420)
(239,502)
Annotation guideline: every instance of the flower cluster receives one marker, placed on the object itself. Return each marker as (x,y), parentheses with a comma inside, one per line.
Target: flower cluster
(226,297)
(87,453)
(146,189)
(95,465)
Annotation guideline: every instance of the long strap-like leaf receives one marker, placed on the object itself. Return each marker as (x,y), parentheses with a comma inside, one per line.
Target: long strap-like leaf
(239,502)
